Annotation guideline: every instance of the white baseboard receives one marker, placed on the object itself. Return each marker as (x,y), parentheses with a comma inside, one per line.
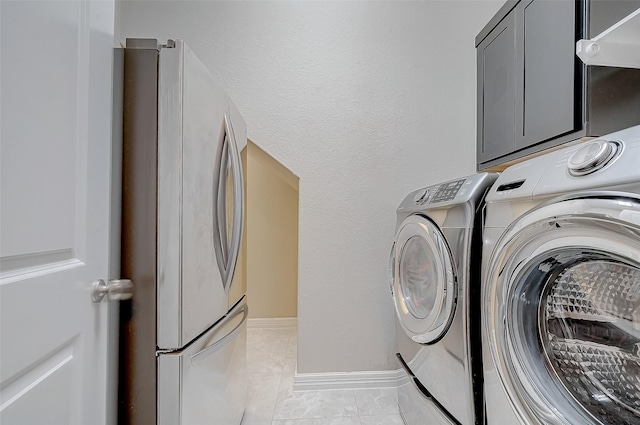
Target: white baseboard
(273,323)
(347,380)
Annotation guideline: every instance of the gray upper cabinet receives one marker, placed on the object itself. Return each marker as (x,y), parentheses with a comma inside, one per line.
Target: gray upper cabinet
(496,94)
(545,65)
(534,93)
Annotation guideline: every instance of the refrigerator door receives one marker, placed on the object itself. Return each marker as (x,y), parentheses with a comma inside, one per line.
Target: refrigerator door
(206,383)
(192,129)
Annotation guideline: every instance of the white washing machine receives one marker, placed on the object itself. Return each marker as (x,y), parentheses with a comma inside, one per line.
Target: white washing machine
(435,282)
(561,288)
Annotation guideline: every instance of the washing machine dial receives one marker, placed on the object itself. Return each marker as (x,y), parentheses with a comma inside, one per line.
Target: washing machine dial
(421,196)
(591,157)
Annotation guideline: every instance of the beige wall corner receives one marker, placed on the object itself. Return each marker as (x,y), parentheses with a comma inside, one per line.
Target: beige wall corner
(272,236)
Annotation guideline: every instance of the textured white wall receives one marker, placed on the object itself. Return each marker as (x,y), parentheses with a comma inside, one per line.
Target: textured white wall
(364,101)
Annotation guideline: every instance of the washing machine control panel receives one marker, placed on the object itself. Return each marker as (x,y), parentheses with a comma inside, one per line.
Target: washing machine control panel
(447,191)
(469,189)
(421,196)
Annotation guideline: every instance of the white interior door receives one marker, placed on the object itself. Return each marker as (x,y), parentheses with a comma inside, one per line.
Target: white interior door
(56,86)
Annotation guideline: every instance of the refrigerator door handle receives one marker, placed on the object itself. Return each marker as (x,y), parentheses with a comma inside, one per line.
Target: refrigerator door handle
(220,342)
(221,206)
(225,165)
(238,200)
(228,160)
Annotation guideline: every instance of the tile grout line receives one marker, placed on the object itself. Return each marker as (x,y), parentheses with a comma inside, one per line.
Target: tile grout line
(286,351)
(275,404)
(355,400)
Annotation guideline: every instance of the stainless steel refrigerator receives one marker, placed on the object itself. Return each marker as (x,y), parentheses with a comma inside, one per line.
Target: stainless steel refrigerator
(183,334)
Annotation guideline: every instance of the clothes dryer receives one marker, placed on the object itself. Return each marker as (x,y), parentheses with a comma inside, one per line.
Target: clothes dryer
(435,282)
(561,287)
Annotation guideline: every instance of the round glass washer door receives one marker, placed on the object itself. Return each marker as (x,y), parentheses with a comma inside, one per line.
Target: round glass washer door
(423,280)
(562,313)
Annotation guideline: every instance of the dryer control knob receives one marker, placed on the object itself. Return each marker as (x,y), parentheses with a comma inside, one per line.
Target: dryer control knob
(421,196)
(591,157)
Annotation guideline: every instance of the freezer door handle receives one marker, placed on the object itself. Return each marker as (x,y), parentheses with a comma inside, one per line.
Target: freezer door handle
(209,350)
(228,162)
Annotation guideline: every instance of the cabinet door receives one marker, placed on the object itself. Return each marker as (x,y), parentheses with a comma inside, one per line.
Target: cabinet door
(545,101)
(496,92)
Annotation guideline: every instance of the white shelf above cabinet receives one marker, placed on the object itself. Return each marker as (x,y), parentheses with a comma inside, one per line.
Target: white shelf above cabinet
(618,46)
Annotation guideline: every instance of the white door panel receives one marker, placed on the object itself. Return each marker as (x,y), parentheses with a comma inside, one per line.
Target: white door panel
(55,154)
(49,386)
(32,76)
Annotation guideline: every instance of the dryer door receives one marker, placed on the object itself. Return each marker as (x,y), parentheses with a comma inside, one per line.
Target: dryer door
(424,285)
(562,311)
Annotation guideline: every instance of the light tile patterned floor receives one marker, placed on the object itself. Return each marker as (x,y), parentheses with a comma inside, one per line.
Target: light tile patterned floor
(272,401)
